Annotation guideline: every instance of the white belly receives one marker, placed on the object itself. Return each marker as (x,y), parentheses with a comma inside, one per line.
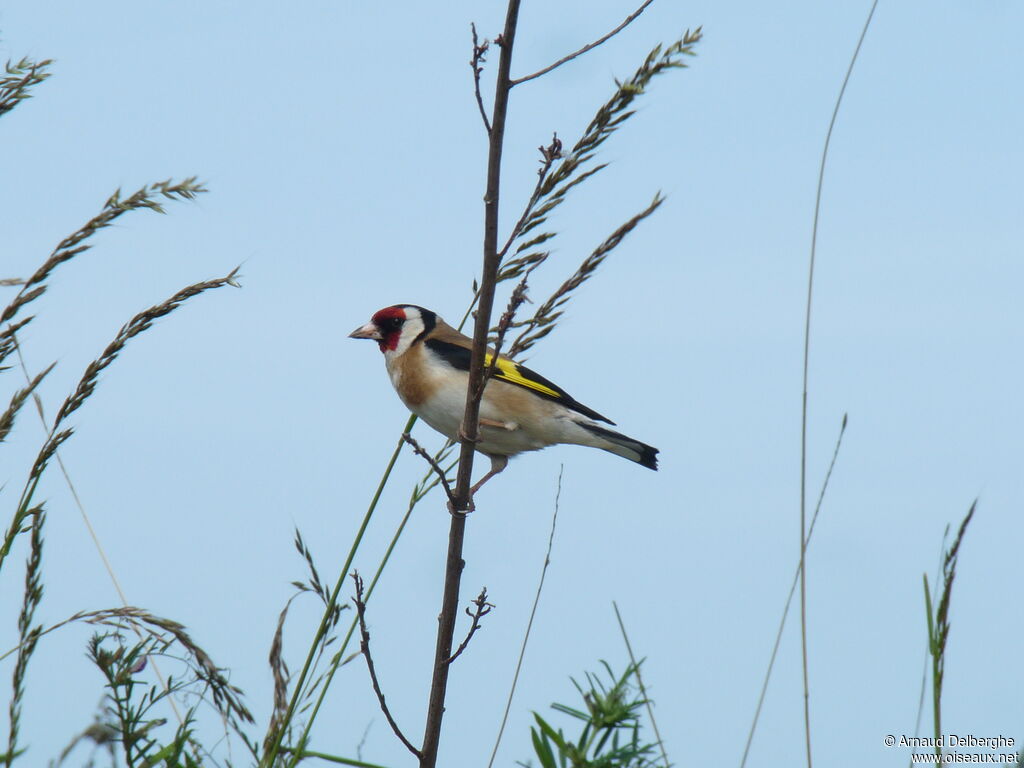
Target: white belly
(548,422)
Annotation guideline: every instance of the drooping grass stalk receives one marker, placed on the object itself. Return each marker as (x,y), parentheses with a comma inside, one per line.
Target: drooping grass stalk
(806,368)
(86,385)
(29,635)
(225,697)
(32,382)
(145,198)
(18,400)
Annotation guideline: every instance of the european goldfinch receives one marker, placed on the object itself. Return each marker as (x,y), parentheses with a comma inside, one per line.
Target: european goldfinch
(428,362)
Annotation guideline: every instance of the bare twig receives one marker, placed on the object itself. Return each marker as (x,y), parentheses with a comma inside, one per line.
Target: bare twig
(806,367)
(482,609)
(640,682)
(438,470)
(629,20)
(529,623)
(365,647)
(479,57)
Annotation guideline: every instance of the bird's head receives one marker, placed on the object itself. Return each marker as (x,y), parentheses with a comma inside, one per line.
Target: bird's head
(396,328)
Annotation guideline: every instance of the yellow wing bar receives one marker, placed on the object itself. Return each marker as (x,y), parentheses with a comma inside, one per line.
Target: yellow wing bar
(511,372)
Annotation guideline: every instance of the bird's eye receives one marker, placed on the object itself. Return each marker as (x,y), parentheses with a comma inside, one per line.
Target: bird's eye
(393,323)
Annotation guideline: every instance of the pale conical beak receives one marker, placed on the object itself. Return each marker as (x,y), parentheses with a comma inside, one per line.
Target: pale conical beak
(368,331)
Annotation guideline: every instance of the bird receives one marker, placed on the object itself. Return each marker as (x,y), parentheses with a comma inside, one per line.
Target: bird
(428,363)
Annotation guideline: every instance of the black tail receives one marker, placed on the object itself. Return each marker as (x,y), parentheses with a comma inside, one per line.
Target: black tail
(643,454)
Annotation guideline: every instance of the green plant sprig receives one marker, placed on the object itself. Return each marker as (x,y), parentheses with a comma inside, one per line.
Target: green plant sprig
(18,81)
(938,624)
(610,736)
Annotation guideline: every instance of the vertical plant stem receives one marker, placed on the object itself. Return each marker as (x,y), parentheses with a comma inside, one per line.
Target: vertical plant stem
(470,421)
(274,748)
(803,414)
(935,648)
(640,683)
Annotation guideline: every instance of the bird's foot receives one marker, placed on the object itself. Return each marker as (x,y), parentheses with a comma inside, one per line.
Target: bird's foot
(454,511)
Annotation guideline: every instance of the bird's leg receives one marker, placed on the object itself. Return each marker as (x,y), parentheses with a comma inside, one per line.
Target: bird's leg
(498,463)
(509,426)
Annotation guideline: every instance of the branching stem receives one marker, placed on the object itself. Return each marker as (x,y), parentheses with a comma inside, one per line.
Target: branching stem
(364,646)
(470,422)
(629,20)
(479,57)
(438,470)
(482,609)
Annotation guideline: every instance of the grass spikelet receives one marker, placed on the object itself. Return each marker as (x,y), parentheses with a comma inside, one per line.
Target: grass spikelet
(280,673)
(18,81)
(553,185)
(86,386)
(18,400)
(938,623)
(548,313)
(8,339)
(141,322)
(27,634)
(225,697)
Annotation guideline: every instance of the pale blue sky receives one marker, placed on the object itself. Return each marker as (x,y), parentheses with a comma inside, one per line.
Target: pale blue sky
(345,161)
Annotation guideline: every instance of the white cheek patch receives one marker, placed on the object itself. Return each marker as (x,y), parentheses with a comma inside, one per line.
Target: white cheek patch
(411,328)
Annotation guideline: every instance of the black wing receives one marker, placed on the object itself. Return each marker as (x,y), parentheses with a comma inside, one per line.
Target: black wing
(458,357)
